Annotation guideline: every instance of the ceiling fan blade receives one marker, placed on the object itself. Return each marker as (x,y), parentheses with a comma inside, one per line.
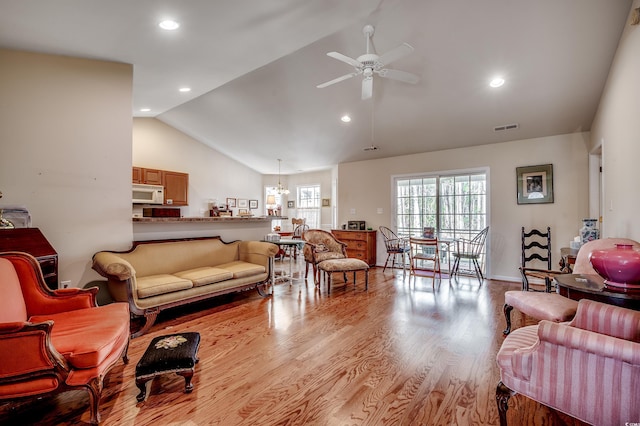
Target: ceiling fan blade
(337,80)
(394,54)
(403,76)
(367,87)
(345,59)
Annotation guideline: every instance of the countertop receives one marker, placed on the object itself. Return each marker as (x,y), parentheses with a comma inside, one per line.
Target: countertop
(206,219)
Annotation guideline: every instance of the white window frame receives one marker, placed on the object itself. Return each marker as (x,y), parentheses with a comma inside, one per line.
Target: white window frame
(309,208)
(455,232)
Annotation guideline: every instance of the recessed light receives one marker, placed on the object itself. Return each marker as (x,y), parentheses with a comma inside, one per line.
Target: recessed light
(169,25)
(496,82)
(145,109)
(185,89)
(345,118)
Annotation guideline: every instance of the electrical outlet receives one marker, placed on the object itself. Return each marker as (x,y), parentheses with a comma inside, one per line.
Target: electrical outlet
(65,284)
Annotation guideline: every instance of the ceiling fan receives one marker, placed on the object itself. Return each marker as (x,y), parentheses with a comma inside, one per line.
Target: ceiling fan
(370,63)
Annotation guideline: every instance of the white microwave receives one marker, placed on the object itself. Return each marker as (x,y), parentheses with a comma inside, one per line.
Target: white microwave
(147,194)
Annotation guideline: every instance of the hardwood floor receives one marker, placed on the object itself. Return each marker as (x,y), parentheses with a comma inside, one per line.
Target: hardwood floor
(398,354)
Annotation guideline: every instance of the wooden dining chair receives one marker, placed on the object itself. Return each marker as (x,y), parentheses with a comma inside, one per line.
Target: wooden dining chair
(424,257)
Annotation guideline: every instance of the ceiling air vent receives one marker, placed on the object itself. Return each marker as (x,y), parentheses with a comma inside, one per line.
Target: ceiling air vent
(505,127)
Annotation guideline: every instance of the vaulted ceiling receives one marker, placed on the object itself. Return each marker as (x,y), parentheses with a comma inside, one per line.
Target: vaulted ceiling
(253,67)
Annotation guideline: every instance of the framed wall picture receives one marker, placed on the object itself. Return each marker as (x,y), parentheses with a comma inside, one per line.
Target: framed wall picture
(243,203)
(326,202)
(253,204)
(291,204)
(535,184)
(231,202)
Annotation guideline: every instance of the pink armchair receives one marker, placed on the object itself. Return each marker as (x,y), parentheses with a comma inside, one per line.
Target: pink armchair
(588,368)
(52,341)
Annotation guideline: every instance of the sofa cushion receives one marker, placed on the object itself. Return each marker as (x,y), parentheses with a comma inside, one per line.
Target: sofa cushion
(12,306)
(86,337)
(154,285)
(205,275)
(242,269)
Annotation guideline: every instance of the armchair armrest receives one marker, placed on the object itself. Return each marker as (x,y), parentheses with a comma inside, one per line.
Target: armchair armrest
(26,353)
(110,265)
(588,341)
(258,252)
(607,319)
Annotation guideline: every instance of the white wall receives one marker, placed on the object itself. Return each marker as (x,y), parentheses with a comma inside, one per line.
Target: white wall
(65,135)
(322,178)
(366,186)
(616,129)
(212,175)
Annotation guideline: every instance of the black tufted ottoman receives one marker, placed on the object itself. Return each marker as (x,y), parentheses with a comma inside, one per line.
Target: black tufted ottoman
(175,353)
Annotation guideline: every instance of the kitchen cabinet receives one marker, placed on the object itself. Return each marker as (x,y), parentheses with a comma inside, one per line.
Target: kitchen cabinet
(360,244)
(176,188)
(136,175)
(146,176)
(32,241)
(176,184)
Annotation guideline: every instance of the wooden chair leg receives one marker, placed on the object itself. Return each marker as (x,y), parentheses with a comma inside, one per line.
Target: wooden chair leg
(503,394)
(507,316)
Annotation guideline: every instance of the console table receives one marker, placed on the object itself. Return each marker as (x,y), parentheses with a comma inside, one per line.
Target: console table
(592,287)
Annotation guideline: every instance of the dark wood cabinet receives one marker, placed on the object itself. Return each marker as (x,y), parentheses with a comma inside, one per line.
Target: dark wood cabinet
(360,244)
(31,240)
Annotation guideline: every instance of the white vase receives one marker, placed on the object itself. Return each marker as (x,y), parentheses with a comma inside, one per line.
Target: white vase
(589,232)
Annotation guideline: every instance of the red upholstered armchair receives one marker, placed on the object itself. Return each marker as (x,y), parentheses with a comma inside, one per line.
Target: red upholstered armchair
(588,368)
(52,341)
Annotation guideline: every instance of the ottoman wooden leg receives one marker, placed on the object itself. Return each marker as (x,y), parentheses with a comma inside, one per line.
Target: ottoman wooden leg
(366,279)
(188,386)
(142,385)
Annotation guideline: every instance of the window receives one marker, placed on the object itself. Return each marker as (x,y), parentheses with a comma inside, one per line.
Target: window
(455,205)
(308,204)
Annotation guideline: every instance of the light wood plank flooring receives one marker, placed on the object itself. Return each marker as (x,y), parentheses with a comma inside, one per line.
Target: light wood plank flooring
(399,354)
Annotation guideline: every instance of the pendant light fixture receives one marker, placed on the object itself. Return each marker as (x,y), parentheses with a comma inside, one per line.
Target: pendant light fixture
(281,189)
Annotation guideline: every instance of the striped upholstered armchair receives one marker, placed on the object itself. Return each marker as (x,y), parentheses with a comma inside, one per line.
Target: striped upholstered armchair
(588,368)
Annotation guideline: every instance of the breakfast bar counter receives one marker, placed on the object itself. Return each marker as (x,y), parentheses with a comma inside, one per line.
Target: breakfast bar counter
(228,228)
(231,219)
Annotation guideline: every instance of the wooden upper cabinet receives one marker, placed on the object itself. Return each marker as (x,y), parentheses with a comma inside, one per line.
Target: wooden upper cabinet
(147,176)
(176,188)
(176,184)
(136,175)
(152,176)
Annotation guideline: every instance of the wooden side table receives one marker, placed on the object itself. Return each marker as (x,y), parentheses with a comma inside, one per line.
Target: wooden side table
(567,259)
(592,287)
(32,241)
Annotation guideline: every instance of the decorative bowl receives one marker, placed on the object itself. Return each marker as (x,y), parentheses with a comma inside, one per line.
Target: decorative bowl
(620,266)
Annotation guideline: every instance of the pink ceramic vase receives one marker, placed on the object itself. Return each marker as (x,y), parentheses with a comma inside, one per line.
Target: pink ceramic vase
(620,266)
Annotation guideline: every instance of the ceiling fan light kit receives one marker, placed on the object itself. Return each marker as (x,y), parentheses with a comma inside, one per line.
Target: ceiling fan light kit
(371,63)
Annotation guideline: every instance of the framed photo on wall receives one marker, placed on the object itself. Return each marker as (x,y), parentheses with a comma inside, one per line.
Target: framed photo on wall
(253,204)
(243,203)
(326,202)
(291,204)
(231,202)
(535,184)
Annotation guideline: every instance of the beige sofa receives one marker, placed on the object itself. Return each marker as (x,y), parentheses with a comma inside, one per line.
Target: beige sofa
(156,275)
